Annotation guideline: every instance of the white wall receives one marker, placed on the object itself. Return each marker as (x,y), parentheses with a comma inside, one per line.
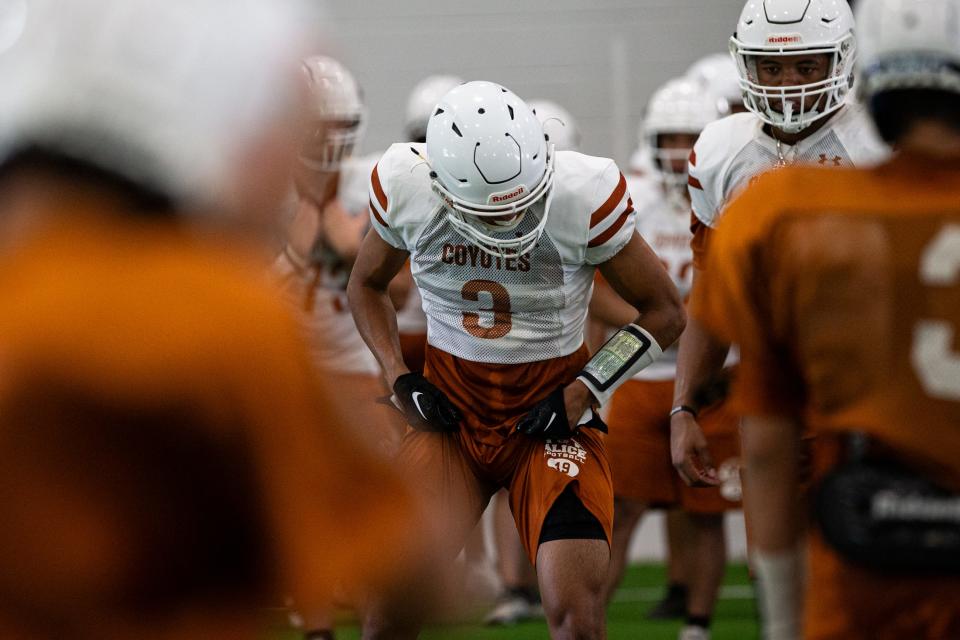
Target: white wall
(599,59)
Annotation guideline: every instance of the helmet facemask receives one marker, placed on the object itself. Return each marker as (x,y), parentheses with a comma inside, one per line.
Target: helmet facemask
(786,108)
(491,164)
(326,144)
(479,224)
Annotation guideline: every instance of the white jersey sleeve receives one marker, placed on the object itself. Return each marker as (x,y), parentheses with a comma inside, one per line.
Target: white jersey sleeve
(401,201)
(717,145)
(733,150)
(612,218)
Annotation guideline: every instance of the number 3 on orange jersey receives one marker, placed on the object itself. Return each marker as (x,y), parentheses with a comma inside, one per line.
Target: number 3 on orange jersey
(934,360)
(502,322)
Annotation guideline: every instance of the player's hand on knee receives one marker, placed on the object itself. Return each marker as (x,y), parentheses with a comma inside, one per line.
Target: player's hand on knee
(689,452)
(425,406)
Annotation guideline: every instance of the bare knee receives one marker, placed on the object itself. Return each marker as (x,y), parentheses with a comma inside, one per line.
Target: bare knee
(572,582)
(580,616)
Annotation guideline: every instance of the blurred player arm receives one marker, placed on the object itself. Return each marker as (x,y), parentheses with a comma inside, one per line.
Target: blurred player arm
(341,232)
(699,366)
(368,293)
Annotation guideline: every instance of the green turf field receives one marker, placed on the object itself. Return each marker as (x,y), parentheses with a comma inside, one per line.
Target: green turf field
(735,618)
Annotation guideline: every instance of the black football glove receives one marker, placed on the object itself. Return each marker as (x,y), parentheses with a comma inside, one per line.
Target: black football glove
(425,407)
(548,420)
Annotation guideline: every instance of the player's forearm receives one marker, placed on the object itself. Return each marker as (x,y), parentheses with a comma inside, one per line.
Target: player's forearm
(699,363)
(665,322)
(376,320)
(610,309)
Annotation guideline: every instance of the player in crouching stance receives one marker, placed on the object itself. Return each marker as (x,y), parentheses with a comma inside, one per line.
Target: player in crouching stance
(504,236)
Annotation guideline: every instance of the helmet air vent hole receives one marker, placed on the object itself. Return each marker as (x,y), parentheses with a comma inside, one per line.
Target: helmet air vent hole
(456,130)
(481,111)
(438,111)
(536,155)
(510,109)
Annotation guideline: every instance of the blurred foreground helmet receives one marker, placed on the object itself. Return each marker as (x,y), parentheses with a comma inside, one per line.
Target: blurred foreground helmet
(492,163)
(421,102)
(909,44)
(559,126)
(788,28)
(170,95)
(681,106)
(717,73)
(335,112)
(910,63)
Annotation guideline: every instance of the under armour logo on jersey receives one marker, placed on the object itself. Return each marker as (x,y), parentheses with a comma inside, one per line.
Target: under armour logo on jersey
(837,160)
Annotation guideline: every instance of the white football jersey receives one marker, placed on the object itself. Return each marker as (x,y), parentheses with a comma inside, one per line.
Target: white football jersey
(666,228)
(505,311)
(732,150)
(320,292)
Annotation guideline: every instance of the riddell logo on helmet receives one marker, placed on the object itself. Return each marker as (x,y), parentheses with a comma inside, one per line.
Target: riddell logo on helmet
(794,39)
(497,198)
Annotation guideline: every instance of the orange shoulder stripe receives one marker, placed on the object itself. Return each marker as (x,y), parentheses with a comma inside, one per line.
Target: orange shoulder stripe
(376,214)
(607,207)
(378,188)
(612,230)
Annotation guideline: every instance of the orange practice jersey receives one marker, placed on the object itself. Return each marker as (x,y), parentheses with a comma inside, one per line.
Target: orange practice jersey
(842,290)
(134,317)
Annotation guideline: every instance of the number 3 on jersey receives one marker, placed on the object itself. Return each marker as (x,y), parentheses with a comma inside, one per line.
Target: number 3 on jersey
(501,322)
(934,360)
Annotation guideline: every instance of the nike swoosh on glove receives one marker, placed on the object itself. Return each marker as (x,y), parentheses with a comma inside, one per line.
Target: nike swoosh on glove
(548,420)
(425,407)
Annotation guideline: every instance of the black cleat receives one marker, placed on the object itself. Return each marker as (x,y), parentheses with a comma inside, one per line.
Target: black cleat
(672,607)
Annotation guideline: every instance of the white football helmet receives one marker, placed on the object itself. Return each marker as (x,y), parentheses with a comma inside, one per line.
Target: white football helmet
(682,105)
(336,103)
(559,126)
(421,102)
(718,74)
(169,95)
(789,28)
(908,44)
(491,163)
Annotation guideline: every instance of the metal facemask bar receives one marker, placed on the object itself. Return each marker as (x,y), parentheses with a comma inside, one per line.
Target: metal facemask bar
(675,182)
(337,145)
(830,93)
(467,218)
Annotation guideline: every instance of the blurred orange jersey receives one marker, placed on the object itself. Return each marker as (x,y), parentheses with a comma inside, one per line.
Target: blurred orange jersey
(129,349)
(842,290)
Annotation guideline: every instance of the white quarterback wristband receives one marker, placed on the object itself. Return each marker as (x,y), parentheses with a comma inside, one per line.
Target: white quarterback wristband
(629,351)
